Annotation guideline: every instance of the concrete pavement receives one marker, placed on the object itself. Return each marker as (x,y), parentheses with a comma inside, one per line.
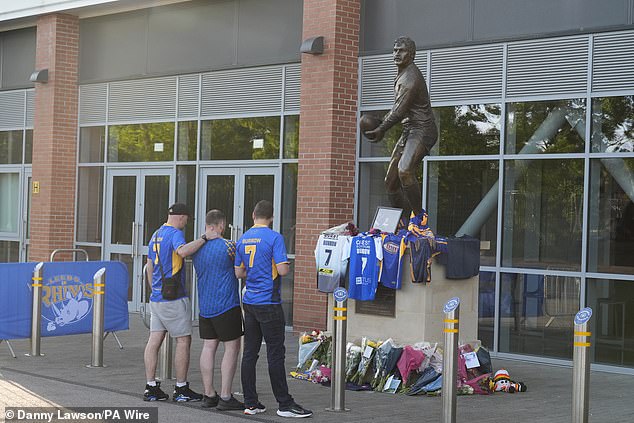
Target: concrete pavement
(61,378)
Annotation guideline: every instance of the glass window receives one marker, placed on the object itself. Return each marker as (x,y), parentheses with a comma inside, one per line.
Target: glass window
(291,137)
(384,147)
(611,218)
(613,124)
(123,210)
(288,284)
(486,308)
(156,201)
(94,253)
(240,139)
(472,129)
(256,188)
(612,303)
(289,205)
(458,201)
(556,126)
(537,313)
(28,147)
(144,142)
(9,251)
(92,140)
(221,195)
(371,192)
(11,147)
(187,136)
(186,193)
(89,204)
(543,211)
(9,202)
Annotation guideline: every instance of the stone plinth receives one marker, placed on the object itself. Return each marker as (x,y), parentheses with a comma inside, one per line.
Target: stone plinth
(419,315)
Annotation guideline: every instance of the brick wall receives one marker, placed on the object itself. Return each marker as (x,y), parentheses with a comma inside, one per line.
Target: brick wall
(325,191)
(55,136)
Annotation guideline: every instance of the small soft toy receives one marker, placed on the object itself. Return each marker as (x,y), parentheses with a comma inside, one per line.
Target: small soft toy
(502,383)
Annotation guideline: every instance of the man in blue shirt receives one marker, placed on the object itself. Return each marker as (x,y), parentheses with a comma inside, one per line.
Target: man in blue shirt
(220,314)
(166,251)
(261,261)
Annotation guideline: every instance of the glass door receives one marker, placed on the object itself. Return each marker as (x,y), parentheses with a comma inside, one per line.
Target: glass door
(136,203)
(10,217)
(27,193)
(235,192)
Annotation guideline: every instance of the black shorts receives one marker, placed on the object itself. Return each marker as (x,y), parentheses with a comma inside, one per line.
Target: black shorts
(224,327)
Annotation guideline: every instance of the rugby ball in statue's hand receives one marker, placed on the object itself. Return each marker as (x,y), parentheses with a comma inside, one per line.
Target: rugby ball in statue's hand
(369,122)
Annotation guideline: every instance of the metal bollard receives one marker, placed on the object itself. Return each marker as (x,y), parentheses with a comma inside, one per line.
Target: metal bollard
(99,286)
(36,312)
(581,366)
(452,316)
(165,358)
(338,382)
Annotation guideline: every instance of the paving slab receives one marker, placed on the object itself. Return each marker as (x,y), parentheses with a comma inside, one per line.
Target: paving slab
(61,378)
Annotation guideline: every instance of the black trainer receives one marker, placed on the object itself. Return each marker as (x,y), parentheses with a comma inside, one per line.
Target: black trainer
(184,394)
(154,393)
(209,402)
(230,404)
(259,408)
(294,410)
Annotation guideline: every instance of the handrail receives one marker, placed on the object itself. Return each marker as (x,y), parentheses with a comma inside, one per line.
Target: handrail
(68,250)
(143,306)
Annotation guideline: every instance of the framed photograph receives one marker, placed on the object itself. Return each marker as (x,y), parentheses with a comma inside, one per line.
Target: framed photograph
(386,219)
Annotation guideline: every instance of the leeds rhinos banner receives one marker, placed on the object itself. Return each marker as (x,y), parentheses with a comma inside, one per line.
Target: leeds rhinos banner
(67,298)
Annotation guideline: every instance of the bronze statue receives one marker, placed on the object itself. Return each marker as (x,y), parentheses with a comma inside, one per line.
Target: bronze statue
(412,107)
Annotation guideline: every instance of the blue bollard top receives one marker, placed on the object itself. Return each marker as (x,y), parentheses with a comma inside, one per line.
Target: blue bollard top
(340,294)
(583,316)
(451,305)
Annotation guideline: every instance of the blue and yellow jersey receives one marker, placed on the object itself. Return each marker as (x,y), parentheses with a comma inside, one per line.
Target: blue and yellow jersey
(163,245)
(217,283)
(366,255)
(393,250)
(260,250)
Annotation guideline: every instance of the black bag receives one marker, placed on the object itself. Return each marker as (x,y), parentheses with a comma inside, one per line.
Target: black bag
(170,286)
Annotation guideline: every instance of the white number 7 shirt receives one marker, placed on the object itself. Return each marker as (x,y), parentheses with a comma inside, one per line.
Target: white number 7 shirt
(331,256)
(366,254)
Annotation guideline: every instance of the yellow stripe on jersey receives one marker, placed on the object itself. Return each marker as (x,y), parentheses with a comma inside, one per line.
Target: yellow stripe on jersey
(177,263)
(273,269)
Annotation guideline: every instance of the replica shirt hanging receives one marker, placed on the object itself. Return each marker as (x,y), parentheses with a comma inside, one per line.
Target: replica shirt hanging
(331,259)
(366,255)
(421,253)
(393,250)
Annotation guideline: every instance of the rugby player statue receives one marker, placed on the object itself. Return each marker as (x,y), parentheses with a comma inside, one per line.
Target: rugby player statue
(412,108)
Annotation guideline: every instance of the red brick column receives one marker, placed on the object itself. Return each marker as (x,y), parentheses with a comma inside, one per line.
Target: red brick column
(55,136)
(327,133)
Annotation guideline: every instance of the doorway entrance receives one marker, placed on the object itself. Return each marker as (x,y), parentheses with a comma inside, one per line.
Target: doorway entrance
(136,205)
(27,191)
(235,192)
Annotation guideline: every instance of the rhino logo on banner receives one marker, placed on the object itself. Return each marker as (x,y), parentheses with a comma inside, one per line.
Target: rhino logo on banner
(67,300)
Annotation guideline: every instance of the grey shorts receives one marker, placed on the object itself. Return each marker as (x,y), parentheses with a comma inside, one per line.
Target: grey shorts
(172,316)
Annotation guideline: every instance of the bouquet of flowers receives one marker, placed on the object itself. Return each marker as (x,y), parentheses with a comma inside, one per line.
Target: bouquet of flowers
(323,353)
(391,353)
(380,357)
(353,357)
(308,346)
(368,348)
